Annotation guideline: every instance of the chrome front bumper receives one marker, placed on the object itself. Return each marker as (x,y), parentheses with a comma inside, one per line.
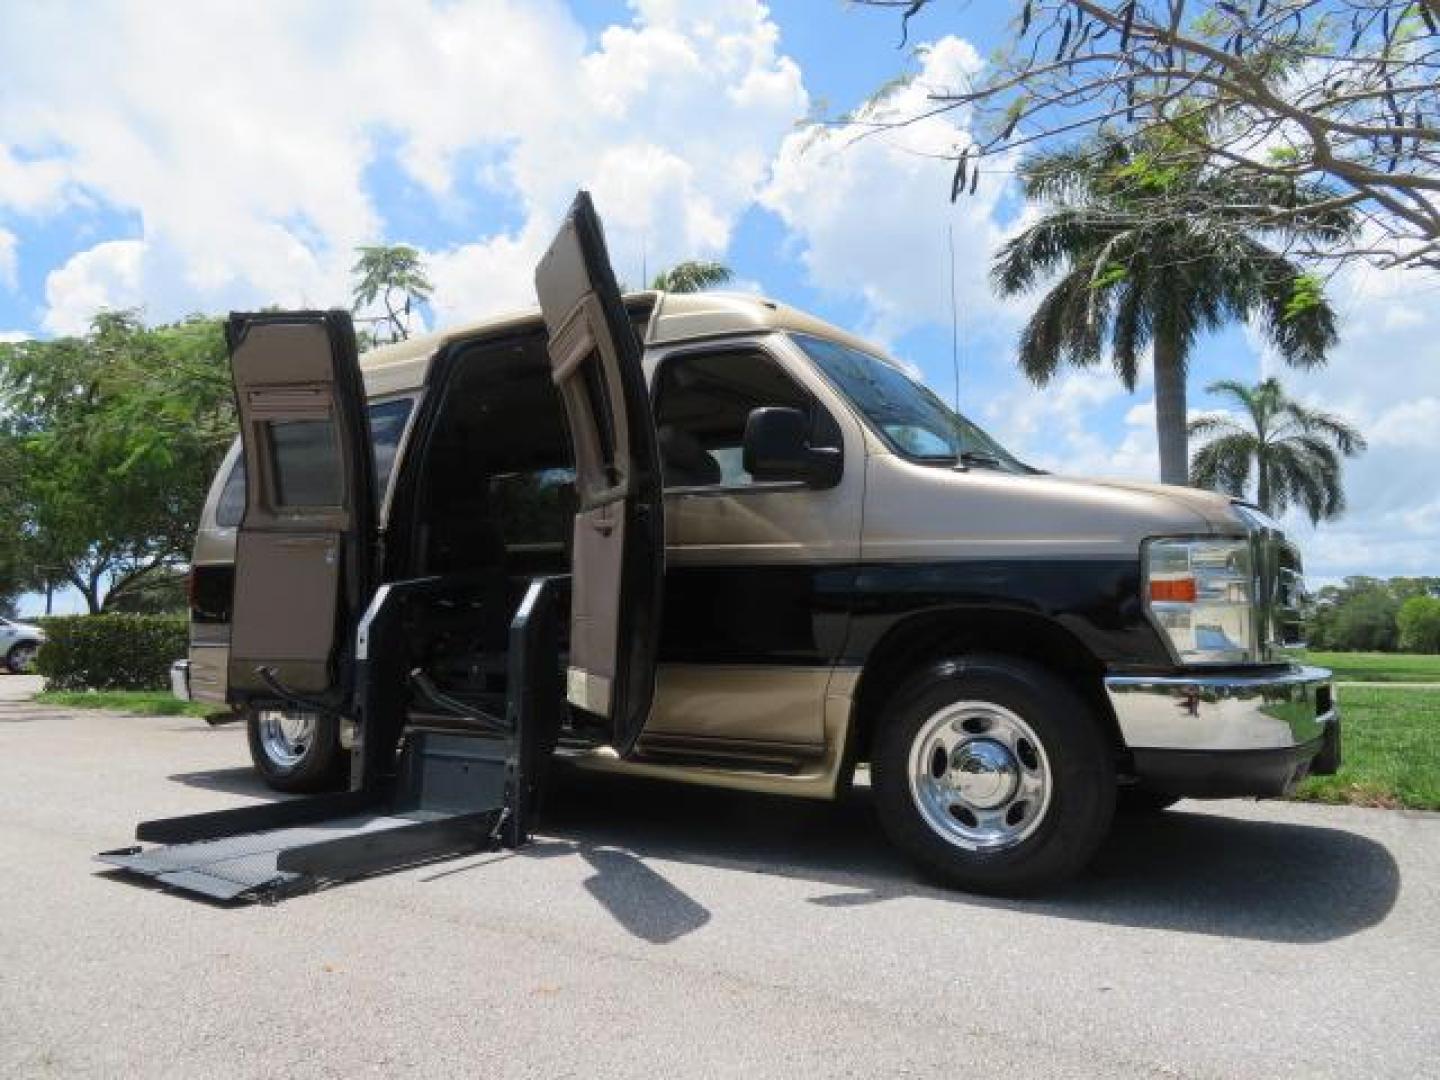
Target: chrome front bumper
(1283,710)
(180,679)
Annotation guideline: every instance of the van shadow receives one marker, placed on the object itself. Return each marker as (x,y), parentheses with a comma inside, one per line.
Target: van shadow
(241,780)
(1186,870)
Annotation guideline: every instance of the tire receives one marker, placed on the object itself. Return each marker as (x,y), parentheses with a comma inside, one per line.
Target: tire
(1138,801)
(1038,776)
(295,751)
(21,657)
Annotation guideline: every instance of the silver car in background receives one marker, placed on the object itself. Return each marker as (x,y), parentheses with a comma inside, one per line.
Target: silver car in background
(19,642)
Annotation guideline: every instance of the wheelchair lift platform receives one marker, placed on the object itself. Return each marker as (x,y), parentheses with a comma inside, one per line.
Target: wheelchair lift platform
(447,793)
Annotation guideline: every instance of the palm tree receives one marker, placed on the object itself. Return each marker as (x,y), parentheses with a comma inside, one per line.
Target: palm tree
(692,276)
(395,274)
(1293,450)
(1132,276)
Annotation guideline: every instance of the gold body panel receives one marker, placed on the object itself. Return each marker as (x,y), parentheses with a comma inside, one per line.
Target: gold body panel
(784,729)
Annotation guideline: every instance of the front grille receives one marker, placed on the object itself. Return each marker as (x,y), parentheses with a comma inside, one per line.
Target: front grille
(1279,594)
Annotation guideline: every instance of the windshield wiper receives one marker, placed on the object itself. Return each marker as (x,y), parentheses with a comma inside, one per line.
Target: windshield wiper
(981,458)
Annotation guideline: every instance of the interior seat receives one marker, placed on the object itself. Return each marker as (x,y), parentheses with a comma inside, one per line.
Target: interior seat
(684,462)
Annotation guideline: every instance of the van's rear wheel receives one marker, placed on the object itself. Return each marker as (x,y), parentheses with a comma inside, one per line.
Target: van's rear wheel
(993,775)
(296,751)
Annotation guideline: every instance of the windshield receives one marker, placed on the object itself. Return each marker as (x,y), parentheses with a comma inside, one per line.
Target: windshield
(907,414)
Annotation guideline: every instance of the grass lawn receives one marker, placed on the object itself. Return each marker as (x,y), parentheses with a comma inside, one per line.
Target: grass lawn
(1390,751)
(1378,667)
(136,702)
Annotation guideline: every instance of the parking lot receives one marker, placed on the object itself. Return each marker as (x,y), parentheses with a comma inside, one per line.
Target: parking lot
(660,931)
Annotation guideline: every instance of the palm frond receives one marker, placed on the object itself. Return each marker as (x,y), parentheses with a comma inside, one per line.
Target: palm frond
(693,275)
(1056,240)
(1215,424)
(1224,464)
(1335,429)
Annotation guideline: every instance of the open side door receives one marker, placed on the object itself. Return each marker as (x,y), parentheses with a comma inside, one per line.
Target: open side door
(305,546)
(619,532)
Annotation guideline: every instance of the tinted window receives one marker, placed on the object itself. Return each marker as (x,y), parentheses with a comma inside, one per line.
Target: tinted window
(534,508)
(231,507)
(702,405)
(387,424)
(307,462)
(909,416)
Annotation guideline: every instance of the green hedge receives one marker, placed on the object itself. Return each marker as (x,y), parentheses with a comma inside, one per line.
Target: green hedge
(111,652)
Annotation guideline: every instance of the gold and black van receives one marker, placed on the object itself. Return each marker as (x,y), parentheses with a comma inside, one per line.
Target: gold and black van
(831,569)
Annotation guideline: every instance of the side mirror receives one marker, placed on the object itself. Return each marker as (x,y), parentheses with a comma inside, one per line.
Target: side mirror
(777,447)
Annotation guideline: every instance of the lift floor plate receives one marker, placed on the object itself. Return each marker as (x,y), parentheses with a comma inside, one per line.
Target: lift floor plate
(248,866)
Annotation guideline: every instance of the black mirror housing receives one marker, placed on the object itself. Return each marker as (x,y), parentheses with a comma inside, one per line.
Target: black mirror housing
(777,448)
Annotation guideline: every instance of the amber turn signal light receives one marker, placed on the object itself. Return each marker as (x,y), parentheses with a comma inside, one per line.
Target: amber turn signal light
(1173,591)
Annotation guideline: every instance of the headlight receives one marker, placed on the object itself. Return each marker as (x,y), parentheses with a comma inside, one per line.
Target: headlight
(1201,595)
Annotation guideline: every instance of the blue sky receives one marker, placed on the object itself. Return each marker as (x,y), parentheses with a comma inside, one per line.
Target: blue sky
(217,158)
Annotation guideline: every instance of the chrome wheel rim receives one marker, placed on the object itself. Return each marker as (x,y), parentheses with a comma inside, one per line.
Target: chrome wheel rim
(979,776)
(22,658)
(286,736)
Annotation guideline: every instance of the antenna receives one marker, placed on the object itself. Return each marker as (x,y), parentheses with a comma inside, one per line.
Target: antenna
(954,319)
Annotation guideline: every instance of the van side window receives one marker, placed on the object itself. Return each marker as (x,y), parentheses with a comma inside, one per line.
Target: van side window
(387,424)
(702,403)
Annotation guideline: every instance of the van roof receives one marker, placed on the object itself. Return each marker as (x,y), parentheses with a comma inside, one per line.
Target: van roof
(673,317)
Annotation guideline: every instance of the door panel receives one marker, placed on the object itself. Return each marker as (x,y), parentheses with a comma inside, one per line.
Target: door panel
(305,543)
(618,560)
(760,575)
(729,525)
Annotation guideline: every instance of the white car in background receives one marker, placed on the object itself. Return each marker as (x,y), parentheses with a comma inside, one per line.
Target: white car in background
(19,642)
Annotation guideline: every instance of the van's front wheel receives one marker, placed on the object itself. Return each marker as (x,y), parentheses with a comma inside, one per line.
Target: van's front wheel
(296,751)
(992,774)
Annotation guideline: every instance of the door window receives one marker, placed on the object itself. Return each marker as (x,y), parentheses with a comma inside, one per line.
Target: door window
(703,401)
(387,424)
(307,462)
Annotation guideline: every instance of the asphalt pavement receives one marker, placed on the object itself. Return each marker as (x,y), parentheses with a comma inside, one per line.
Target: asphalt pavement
(662,931)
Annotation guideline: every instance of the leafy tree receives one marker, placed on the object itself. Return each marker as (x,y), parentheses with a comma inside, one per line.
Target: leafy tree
(1419,624)
(394,274)
(692,276)
(1338,93)
(1366,623)
(1129,278)
(1294,451)
(1355,616)
(15,575)
(118,433)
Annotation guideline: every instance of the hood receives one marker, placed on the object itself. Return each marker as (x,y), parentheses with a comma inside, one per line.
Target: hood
(917,511)
(1216,510)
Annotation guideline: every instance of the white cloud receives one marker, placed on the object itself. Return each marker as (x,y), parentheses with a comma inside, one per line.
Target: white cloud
(9,337)
(869,207)
(31,186)
(9,260)
(241,137)
(105,276)
(1059,429)
(1384,376)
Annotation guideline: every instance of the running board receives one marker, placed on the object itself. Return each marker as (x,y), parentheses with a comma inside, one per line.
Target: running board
(454,793)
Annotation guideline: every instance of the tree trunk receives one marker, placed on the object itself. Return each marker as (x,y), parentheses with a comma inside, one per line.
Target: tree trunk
(1170,410)
(89,590)
(1262,485)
